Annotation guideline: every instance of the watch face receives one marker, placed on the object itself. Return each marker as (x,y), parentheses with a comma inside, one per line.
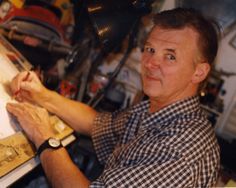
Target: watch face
(53,142)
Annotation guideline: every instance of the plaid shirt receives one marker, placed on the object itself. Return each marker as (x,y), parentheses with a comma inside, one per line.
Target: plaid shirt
(174,147)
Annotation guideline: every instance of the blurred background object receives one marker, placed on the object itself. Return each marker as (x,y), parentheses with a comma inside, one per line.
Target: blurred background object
(35,28)
(68,40)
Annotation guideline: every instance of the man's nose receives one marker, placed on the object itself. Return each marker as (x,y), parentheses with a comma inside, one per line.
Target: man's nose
(152,62)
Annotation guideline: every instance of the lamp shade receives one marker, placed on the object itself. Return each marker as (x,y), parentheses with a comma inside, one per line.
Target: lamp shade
(113,19)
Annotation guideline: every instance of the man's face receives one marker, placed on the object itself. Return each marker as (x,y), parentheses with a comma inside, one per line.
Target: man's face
(168,63)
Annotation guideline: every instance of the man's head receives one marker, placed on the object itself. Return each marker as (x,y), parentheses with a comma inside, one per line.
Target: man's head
(178,54)
(180,17)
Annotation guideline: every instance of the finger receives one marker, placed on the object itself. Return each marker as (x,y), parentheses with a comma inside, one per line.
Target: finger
(33,84)
(18,98)
(30,106)
(24,94)
(15,105)
(33,110)
(31,76)
(15,109)
(22,112)
(15,85)
(27,86)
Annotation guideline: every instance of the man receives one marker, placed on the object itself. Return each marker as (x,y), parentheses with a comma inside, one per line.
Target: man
(163,142)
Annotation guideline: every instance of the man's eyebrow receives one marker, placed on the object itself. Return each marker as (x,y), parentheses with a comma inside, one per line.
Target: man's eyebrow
(147,43)
(170,50)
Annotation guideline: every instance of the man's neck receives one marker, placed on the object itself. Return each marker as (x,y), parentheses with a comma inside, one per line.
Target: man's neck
(157,104)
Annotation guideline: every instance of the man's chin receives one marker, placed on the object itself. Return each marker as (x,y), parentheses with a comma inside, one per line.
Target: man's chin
(150,93)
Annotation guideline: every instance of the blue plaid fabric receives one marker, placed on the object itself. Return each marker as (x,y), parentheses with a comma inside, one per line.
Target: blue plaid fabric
(174,147)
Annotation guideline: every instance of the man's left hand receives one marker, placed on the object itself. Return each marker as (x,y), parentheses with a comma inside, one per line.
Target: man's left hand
(33,120)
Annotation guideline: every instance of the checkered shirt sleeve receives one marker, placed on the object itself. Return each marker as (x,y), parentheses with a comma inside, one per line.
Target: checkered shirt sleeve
(107,131)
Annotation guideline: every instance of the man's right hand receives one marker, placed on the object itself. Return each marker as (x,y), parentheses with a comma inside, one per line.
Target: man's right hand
(28,87)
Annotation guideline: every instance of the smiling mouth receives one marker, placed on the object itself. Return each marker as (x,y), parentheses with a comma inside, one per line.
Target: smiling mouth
(153,78)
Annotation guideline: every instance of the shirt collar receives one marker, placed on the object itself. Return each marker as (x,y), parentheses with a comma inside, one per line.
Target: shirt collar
(168,113)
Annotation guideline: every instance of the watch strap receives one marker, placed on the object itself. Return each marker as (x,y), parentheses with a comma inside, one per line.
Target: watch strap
(45,145)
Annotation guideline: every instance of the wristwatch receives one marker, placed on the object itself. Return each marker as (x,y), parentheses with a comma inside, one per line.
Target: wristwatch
(50,143)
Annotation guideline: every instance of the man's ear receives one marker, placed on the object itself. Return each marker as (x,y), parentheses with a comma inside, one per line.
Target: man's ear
(201,72)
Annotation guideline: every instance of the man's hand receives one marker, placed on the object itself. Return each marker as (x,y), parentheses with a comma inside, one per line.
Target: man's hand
(33,120)
(26,86)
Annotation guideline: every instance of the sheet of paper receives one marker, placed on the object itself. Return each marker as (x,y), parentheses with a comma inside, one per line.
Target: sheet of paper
(7,71)
(8,127)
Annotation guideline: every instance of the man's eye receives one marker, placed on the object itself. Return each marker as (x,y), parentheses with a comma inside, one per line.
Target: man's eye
(149,50)
(171,57)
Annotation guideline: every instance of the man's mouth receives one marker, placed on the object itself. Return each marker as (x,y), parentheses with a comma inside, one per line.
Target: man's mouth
(152,77)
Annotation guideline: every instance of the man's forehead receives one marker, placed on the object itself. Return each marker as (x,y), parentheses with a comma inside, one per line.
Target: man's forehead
(172,36)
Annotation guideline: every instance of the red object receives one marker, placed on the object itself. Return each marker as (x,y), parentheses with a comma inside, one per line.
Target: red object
(31,41)
(68,89)
(37,14)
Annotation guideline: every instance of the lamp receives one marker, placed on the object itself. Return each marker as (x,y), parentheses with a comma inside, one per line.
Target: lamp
(113,19)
